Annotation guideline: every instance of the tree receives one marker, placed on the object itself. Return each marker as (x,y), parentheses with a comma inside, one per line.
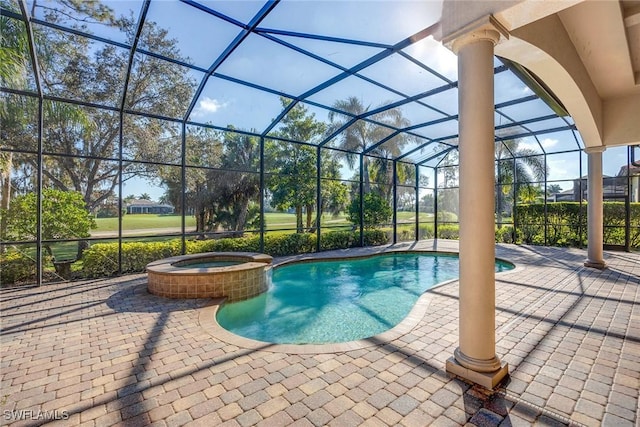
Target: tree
(427,203)
(363,134)
(76,68)
(295,186)
(530,194)
(204,149)
(236,208)
(64,216)
(144,196)
(18,114)
(377,210)
(14,50)
(220,198)
(517,168)
(447,191)
(14,63)
(553,189)
(334,195)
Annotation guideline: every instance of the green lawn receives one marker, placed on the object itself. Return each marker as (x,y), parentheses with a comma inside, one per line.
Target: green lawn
(411,216)
(142,221)
(275,220)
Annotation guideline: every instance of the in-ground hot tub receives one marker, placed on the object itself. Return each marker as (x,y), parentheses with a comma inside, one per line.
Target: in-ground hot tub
(234,275)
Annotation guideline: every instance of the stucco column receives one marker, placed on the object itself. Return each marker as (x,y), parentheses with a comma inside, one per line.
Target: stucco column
(475,358)
(594,208)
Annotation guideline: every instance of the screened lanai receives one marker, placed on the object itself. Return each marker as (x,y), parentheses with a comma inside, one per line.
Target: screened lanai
(214,120)
(493,134)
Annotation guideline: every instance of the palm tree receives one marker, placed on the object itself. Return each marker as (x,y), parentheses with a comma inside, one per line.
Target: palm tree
(17,112)
(363,134)
(517,168)
(13,72)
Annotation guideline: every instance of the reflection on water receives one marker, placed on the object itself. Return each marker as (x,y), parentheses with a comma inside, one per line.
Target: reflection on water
(339,301)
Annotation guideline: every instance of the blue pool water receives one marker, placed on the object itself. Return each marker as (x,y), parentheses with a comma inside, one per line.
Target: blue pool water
(341,300)
(207,264)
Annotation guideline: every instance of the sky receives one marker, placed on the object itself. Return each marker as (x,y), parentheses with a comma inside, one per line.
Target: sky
(259,61)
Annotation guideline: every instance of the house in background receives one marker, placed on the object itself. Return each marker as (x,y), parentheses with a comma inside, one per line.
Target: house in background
(148,207)
(613,187)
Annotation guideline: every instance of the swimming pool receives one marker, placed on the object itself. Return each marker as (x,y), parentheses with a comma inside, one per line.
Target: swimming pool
(342,300)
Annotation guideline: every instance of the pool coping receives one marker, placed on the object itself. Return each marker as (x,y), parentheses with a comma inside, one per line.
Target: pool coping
(250,260)
(207,314)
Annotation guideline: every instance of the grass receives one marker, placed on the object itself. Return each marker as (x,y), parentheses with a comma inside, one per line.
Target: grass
(275,221)
(143,221)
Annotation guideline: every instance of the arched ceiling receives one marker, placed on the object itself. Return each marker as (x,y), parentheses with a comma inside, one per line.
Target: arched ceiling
(586,52)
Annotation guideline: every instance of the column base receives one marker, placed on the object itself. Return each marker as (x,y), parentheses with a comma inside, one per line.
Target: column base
(600,265)
(487,380)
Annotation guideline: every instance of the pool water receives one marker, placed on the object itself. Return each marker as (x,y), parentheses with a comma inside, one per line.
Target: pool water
(207,264)
(339,300)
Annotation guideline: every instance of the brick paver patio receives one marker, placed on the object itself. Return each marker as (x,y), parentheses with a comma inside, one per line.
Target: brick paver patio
(106,352)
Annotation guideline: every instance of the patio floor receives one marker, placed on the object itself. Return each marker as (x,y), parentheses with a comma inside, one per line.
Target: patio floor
(106,352)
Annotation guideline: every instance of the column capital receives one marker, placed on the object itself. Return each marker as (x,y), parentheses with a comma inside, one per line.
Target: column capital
(486,28)
(594,150)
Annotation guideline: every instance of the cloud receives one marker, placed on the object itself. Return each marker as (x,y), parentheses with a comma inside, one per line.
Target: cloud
(531,144)
(548,142)
(446,60)
(434,54)
(207,106)
(210,105)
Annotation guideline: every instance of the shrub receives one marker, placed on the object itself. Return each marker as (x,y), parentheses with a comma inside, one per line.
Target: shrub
(63,217)
(101,259)
(136,255)
(567,224)
(449,231)
(405,234)
(377,210)
(108,212)
(339,240)
(375,237)
(425,231)
(230,244)
(16,267)
(445,216)
(505,234)
(289,244)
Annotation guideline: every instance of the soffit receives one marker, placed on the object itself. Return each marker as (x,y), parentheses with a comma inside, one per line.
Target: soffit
(601,39)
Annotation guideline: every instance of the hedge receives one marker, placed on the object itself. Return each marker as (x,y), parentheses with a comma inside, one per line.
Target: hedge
(101,259)
(567,224)
(15,266)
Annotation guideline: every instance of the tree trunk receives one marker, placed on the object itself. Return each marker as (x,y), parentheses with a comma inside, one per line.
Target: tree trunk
(82,246)
(200,222)
(365,172)
(299,226)
(242,215)
(5,200)
(309,216)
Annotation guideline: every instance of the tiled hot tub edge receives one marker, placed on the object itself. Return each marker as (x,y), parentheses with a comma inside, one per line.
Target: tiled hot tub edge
(235,282)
